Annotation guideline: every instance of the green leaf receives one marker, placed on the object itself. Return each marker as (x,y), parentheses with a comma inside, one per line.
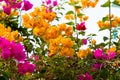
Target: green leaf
(115,43)
(80,14)
(82,33)
(94,35)
(104,73)
(102,44)
(72,4)
(70,23)
(61,13)
(103,28)
(77,7)
(5,75)
(70,12)
(116,3)
(80,62)
(105,18)
(75,46)
(105,38)
(73,38)
(3,78)
(38,50)
(106,4)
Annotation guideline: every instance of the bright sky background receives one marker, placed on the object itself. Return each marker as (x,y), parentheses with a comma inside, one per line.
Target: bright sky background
(95,14)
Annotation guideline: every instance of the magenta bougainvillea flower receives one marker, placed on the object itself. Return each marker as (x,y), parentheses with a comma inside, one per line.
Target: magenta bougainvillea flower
(48,2)
(5,48)
(18,51)
(25,67)
(109,56)
(15,4)
(7,10)
(98,53)
(6,54)
(55,3)
(81,26)
(97,65)
(12,50)
(35,57)
(1,0)
(85,76)
(84,41)
(27,5)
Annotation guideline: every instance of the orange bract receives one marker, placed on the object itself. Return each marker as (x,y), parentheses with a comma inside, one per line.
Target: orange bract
(8,34)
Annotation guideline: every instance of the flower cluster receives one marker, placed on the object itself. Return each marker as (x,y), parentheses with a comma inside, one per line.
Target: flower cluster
(25,67)
(55,31)
(85,76)
(83,53)
(61,45)
(12,50)
(110,55)
(57,49)
(38,20)
(8,34)
(49,4)
(88,3)
(105,22)
(15,4)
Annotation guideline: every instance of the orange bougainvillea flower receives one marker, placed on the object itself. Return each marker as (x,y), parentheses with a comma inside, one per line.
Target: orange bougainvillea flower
(62,46)
(105,22)
(93,41)
(69,17)
(8,34)
(83,52)
(38,20)
(65,51)
(112,49)
(100,24)
(51,33)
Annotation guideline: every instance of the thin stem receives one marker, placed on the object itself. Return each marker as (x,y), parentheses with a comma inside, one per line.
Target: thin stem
(110,29)
(75,26)
(20,18)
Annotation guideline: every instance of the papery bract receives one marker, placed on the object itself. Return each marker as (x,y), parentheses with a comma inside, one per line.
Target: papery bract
(17,5)
(48,2)
(97,65)
(6,54)
(55,3)
(7,10)
(81,26)
(109,56)
(4,43)
(27,5)
(1,0)
(86,76)
(35,57)
(98,53)
(84,41)
(25,67)
(18,51)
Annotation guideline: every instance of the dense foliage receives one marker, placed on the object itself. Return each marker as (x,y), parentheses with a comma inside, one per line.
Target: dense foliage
(37,46)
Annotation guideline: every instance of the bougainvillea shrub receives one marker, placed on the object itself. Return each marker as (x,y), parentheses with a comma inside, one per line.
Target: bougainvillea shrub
(50,42)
